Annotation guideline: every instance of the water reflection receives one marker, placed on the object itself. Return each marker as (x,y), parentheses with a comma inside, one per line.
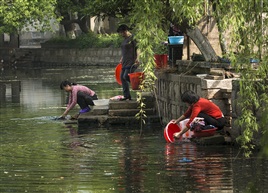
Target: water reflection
(40,154)
(208,169)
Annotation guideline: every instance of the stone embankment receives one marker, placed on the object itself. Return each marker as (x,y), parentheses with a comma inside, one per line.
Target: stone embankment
(109,112)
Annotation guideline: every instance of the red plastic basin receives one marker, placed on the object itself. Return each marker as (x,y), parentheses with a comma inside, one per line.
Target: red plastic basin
(169,131)
(117,73)
(205,133)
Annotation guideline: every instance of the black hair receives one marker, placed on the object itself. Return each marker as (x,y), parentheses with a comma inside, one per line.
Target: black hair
(122,28)
(189,97)
(65,83)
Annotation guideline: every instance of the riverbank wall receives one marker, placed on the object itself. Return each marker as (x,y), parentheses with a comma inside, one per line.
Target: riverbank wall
(199,77)
(90,56)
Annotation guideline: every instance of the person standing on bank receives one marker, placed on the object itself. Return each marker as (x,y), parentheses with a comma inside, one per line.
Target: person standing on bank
(78,94)
(199,107)
(129,59)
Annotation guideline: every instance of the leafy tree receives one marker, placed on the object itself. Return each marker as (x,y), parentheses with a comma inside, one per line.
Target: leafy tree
(245,21)
(14,15)
(79,12)
(74,11)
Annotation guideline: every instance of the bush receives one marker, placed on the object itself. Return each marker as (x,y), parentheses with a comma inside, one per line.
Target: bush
(89,40)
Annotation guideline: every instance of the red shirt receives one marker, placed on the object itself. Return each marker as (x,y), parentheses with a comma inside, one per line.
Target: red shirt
(205,106)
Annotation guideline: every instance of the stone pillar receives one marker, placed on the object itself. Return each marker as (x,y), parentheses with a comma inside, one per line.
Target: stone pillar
(2,91)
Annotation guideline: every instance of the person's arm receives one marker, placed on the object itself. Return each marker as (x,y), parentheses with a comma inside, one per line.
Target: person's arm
(137,61)
(72,101)
(185,129)
(179,134)
(179,119)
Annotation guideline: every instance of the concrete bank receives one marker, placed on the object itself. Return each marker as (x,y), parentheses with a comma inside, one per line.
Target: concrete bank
(206,79)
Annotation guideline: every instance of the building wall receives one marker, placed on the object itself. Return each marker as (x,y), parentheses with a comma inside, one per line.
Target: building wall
(210,30)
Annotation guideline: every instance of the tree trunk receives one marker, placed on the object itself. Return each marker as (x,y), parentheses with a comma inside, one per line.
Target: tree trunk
(84,24)
(69,26)
(223,43)
(203,44)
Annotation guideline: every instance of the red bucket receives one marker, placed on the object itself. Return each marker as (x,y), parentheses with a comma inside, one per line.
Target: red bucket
(117,73)
(161,60)
(169,131)
(205,133)
(135,79)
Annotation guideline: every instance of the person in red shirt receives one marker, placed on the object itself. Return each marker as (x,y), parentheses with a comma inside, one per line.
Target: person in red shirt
(199,107)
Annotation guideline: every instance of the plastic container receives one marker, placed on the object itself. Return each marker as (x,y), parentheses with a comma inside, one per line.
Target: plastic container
(172,128)
(253,60)
(174,40)
(117,73)
(161,60)
(169,131)
(135,79)
(205,133)
(187,134)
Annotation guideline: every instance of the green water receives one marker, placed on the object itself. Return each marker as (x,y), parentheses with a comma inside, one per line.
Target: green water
(39,154)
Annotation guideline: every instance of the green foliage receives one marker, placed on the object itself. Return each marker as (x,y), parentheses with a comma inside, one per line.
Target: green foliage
(189,11)
(248,40)
(147,17)
(15,15)
(160,48)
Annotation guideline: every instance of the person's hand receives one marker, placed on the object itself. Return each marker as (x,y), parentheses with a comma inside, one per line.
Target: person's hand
(177,135)
(63,116)
(174,121)
(137,62)
(60,118)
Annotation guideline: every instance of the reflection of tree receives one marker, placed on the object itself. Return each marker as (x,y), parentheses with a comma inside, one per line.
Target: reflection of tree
(131,163)
(207,171)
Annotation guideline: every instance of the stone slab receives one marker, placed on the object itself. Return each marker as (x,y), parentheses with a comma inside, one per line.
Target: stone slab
(212,140)
(102,102)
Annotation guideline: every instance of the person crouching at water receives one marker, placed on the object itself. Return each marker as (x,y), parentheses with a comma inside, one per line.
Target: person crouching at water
(199,107)
(78,94)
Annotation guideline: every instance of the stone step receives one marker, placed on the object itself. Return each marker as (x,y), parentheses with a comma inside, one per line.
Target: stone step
(132,120)
(113,104)
(130,112)
(216,139)
(93,120)
(107,112)
(106,121)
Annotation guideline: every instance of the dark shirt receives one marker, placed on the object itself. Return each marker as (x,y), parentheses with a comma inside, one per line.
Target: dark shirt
(129,52)
(173,31)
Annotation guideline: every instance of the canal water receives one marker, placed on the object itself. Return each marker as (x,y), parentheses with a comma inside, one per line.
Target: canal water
(40,154)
